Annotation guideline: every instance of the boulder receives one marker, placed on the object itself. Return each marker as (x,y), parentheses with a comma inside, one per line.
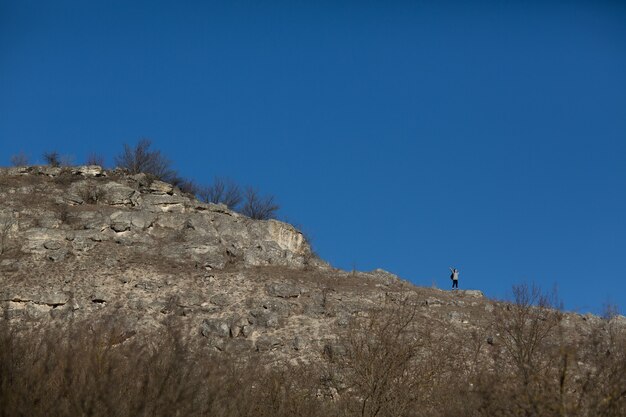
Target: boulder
(247,330)
(473,293)
(432,301)
(73,199)
(142,220)
(264,318)
(215,327)
(237,325)
(52,244)
(99,297)
(116,194)
(121,221)
(283,290)
(53,298)
(90,220)
(298,343)
(47,170)
(160,187)
(201,225)
(280,307)
(89,171)
(221,300)
(266,342)
(57,255)
(171,221)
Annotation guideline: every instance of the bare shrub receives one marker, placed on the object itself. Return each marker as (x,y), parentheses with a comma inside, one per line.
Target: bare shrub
(525,327)
(185,185)
(141,159)
(391,361)
(52,158)
(92,193)
(67,160)
(19,160)
(66,177)
(392,365)
(96,370)
(532,362)
(609,311)
(600,364)
(6,225)
(258,207)
(63,213)
(221,191)
(103,369)
(95,159)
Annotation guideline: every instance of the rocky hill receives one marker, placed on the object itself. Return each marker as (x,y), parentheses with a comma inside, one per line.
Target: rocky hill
(84,243)
(79,241)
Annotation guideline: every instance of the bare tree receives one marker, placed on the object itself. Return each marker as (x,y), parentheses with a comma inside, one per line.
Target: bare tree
(222,191)
(19,160)
(392,363)
(258,207)
(533,362)
(185,185)
(52,158)
(141,159)
(598,385)
(95,159)
(526,325)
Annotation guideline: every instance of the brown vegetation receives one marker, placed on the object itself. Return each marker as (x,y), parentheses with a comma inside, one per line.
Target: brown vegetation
(92,193)
(141,159)
(258,207)
(95,159)
(19,160)
(222,191)
(389,362)
(6,224)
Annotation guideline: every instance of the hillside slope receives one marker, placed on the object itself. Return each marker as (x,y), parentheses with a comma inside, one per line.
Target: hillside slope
(82,240)
(86,245)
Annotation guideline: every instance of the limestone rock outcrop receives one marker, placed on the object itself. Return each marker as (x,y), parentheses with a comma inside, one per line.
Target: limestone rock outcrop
(73,210)
(84,242)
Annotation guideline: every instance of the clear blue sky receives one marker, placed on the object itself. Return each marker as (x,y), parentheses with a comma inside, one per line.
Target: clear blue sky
(410,136)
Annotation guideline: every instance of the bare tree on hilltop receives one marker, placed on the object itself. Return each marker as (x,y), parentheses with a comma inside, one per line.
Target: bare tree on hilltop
(140,159)
(19,160)
(95,159)
(222,191)
(258,207)
(52,158)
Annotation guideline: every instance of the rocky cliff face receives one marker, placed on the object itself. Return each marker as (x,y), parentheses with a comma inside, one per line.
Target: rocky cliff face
(53,213)
(85,242)
(123,296)
(82,242)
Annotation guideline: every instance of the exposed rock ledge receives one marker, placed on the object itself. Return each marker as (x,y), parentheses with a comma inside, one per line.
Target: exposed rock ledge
(79,208)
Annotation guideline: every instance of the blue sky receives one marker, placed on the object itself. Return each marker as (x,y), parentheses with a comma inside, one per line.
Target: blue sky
(409,136)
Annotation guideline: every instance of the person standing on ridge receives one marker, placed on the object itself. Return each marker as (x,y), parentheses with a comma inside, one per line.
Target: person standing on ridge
(454,276)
